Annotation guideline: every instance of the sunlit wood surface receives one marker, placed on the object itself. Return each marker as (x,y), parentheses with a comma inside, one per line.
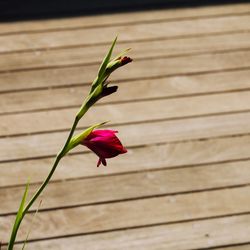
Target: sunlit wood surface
(182,110)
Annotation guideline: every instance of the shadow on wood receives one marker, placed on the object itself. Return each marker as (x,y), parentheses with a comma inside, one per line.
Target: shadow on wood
(22,10)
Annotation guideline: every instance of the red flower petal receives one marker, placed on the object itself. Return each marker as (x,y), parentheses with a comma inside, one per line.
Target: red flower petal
(105,144)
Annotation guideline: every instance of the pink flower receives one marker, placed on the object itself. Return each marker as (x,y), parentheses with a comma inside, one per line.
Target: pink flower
(105,144)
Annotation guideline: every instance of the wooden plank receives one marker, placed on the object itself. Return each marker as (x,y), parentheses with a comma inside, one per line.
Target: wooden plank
(241,247)
(54,120)
(121,18)
(54,39)
(149,89)
(132,135)
(140,50)
(182,236)
(140,69)
(41,145)
(152,157)
(101,217)
(131,186)
(132,213)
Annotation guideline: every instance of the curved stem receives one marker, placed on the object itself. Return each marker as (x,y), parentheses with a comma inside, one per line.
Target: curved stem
(44,184)
(59,156)
(96,92)
(57,160)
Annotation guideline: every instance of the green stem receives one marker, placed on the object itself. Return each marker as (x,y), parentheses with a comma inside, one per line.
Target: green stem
(57,160)
(59,156)
(94,95)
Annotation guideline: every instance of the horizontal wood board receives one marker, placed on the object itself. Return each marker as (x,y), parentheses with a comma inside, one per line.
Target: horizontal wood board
(182,110)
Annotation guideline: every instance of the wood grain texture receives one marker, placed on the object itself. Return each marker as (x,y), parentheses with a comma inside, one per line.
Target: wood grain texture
(147,89)
(54,39)
(140,50)
(123,113)
(162,67)
(151,157)
(182,111)
(25,147)
(132,213)
(130,186)
(241,247)
(181,236)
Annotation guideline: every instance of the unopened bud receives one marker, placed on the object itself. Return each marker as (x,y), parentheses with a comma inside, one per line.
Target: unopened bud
(109,90)
(125,60)
(117,63)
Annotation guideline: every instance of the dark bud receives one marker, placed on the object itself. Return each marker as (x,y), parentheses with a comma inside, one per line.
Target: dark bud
(125,60)
(109,90)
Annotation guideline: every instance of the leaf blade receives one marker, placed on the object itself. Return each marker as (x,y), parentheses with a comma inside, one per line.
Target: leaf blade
(19,218)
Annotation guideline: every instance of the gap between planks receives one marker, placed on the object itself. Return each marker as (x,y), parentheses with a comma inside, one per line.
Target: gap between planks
(189,65)
(204,53)
(15,43)
(171,88)
(239,246)
(133,135)
(210,43)
(164,156)
(200,234)
(131,186)
(138,213)
(122,114)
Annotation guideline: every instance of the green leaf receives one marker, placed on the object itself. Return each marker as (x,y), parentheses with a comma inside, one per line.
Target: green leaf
(106,59)
(77,139)
(115,63)
(19,218)
(121,54)
(20,210)
(102,69)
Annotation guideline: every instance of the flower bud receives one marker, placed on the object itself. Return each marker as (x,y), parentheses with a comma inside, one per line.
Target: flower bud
(125,60)
(105,144)
(108,90)
(117,63)
(99,87)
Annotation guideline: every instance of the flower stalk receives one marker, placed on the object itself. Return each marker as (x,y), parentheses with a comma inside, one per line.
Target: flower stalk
(99,89)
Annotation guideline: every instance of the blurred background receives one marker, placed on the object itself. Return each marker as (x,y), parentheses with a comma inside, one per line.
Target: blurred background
(182,111)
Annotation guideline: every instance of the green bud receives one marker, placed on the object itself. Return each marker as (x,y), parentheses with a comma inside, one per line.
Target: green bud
(116,63)
(76,140)
(99,87)
(106,60)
